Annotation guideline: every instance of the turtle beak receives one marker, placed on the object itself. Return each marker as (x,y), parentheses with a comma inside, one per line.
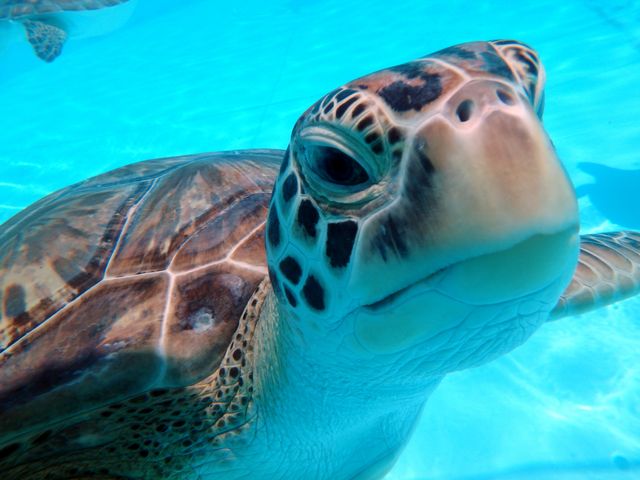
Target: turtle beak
(485,217)
(473,184)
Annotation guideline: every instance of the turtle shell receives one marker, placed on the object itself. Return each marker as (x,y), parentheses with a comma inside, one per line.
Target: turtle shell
(129,281)
(25,8)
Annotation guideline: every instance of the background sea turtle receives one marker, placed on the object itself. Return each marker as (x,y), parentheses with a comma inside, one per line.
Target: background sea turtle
(612,192)
(269,314)
(47,23)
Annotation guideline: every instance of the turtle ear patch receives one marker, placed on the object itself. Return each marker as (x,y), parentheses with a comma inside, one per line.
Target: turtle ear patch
(402,96)
(340,239)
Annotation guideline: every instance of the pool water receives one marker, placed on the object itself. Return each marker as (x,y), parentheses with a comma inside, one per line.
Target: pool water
(197,76)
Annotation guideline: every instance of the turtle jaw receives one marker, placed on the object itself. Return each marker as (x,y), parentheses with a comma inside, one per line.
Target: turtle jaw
(524,279)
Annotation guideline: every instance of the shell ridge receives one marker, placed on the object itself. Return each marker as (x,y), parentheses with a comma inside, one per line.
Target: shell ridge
(129,215)
(96,259)
(202,226)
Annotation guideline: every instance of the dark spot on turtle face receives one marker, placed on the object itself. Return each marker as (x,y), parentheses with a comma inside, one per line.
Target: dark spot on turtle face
(237,354)
(344,106)
(391,238)
(456,51)
(394,135)
(289,187)
(328,107)
(313,293)
(315,108)
(464,110)
(364,123)
(402,97)
(329,97)
(340,239)
(345,93)
(371,137)
(358,110)
(362,86)
(308,217)
(234,372)
(493,63)
(505,97)
(273,228)
(285,161)
(15,302)
(290,268)
(419,179)
(531,66)
(377,147)
(291,298)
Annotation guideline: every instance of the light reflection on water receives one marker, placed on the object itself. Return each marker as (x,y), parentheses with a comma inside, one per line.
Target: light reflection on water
(186,79)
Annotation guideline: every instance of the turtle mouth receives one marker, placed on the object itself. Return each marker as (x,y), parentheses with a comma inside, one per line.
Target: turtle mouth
(394,297)
(516,271)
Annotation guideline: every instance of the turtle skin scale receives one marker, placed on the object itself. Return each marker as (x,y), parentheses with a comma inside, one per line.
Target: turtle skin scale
(121,297)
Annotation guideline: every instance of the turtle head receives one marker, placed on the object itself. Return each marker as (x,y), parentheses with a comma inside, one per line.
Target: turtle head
(421,197)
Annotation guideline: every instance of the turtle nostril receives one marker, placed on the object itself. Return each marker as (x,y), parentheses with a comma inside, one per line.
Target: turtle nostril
(505,97)
(464,110)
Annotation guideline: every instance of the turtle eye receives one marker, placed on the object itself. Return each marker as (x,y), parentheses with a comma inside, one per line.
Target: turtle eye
(335,166)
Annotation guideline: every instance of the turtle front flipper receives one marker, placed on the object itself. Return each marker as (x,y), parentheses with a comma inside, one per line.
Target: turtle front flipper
(46,38)
(608,271)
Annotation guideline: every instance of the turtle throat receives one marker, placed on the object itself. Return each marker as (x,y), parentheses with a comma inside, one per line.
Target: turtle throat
(311,389)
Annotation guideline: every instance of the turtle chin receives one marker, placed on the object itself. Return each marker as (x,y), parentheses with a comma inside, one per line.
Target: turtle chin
(475,309)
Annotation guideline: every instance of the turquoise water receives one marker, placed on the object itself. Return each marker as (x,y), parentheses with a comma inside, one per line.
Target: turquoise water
(195,76)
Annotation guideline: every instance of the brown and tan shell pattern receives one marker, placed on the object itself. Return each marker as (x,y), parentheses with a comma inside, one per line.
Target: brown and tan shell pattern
(25,8)
(130,281)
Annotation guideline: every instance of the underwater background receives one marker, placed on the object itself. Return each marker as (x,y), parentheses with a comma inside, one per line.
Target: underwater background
(166,78)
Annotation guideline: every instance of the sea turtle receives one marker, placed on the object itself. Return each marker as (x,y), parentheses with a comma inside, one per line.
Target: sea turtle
(266,314)
(46,22)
